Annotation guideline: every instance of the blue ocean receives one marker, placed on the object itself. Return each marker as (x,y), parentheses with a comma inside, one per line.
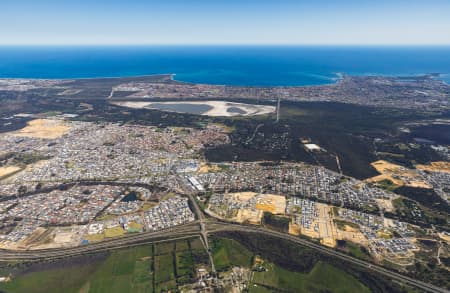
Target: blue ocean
(230,65)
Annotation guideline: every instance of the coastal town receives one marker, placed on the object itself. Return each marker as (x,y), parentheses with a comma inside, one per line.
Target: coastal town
(397,92)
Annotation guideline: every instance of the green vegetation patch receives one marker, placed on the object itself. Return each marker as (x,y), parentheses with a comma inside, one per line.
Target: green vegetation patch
(196,244)
(114,232)
(357,251)
(275,222)
(182,245)
(341,224)
(126,270)
(228,252)
(164,248)
(322,278)
(185,263)
(164,270)
(166,286)
(66,279)
(386,184)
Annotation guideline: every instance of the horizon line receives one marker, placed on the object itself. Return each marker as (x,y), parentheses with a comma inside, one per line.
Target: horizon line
(222,44)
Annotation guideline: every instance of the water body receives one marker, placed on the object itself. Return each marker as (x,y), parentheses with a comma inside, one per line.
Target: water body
(182,108)
(132,196)
(230,65)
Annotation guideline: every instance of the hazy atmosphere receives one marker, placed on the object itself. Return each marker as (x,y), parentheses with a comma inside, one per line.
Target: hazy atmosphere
(225,22)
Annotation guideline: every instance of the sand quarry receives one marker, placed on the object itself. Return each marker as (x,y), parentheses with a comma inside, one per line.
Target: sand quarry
(218,108)
(44,128)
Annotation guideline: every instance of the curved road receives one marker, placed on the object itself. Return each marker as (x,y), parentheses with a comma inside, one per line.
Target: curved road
(194,229)
(202,227)
(222,227)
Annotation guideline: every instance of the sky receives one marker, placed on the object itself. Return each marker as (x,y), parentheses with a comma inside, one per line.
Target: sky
(214,22)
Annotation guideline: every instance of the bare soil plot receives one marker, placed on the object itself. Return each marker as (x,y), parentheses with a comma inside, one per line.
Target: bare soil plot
(435,167)
(208,168)
(398,175)
(276,204)
(8,170)
(385,204)
(44,128)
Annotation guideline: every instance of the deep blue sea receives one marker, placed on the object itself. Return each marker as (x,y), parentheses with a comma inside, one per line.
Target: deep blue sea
(231,65)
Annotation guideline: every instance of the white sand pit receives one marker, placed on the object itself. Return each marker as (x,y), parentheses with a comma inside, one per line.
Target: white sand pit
(206,108)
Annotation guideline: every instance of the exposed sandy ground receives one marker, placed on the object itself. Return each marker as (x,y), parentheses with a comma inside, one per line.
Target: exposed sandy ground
(399,175)
(445,237)
(44,128)
(419,184)
(352,235)
(326,225)
(37,237)
(327,230)
(382,177)
(435,167)
(250,216)
(276,204)
(294,229)
(386,204)
(5,171)
(57,237)
(243,196)
(219,108)
(37,165)
(207,168)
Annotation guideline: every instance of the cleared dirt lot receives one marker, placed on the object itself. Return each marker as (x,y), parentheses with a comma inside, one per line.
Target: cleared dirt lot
(256,204)
(386,204)
(398,175)
(44,128)
(8,170)
(435,167)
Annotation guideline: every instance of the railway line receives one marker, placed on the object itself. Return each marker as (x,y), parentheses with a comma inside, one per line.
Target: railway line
(201,228)
(215,228)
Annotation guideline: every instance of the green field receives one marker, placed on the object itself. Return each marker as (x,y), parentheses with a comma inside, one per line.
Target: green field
(165,266)
(147,268)
(228,252)
(52,280)
(322,278)
(164,247)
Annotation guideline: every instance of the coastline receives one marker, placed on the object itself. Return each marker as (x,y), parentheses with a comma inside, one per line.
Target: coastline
(251,66)
(340,76)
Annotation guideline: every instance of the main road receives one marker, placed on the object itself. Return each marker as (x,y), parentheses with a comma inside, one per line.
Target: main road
(201,228)
(194,230)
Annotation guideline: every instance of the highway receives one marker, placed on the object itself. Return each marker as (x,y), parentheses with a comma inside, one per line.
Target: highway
(203,230)
(200,228)
(225,227)
(183,231)
(192,230)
